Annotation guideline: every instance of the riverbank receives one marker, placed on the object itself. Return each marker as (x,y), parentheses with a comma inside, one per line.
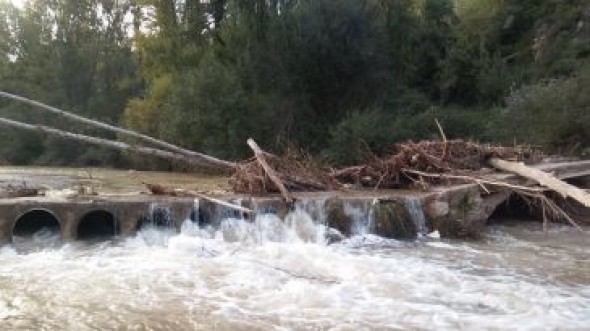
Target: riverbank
(107,181)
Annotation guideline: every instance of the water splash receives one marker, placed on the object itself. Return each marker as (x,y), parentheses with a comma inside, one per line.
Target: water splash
(158,216)
(274,274)
(315,208)
(44,238)
(362,216)
(416,212)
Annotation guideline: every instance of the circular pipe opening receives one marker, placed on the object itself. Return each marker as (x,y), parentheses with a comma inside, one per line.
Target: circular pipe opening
(36,222)
(97,224)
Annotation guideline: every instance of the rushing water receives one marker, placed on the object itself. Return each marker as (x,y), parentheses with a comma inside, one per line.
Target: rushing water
(414,206)
(273,275)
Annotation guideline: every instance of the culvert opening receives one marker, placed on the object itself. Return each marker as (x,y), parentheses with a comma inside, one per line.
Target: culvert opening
(36,222)
(96,225)
(515,209)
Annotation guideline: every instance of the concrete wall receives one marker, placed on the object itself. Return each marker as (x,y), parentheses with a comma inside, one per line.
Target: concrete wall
(455,212)
(127,213)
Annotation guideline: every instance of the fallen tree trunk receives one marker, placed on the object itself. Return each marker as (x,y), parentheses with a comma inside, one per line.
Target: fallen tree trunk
(543,178)
(206,160)
(159,189)
(104,142)
(259,154)
(223,203)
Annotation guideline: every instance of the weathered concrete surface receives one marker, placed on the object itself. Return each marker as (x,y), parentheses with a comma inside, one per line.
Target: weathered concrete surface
(459,211)
(127,212)
(354,210)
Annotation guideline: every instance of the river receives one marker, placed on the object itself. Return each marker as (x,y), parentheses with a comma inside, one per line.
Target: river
(270,275)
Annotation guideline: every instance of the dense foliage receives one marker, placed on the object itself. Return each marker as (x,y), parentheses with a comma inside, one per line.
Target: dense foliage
(339,78)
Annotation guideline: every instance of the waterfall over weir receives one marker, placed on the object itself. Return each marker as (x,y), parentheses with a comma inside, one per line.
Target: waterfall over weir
(416,212)
(340,217)
(204,266)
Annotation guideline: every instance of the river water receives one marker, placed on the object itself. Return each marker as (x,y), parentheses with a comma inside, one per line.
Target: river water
(270,275)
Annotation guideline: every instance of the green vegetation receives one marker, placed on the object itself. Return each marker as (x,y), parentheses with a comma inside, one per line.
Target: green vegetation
(338,78)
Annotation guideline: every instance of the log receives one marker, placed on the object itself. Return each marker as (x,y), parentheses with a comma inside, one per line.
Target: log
(259,154)
(223,203)
(103,142)
(544,179)
(206,160)
(159,189)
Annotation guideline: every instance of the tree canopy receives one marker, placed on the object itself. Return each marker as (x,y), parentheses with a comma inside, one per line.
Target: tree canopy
(338,78)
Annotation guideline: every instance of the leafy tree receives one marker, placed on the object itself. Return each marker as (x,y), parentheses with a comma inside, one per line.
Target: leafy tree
(331,76)
(71,54)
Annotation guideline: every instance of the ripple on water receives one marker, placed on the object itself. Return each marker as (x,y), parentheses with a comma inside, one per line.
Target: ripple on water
(271,275)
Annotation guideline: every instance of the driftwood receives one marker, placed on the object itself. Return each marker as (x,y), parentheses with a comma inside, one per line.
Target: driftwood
(482,182)
(426,156)
(223,203)
(297,171)
(550,210)
(103,142)
(159,189)
(543,178)
(259,154)
(205,160)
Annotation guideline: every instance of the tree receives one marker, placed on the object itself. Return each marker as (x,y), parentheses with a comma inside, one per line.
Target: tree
(72,54)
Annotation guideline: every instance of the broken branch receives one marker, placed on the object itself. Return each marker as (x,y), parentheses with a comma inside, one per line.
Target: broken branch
(259,154)
(102,142)
(206,160)
(476,180)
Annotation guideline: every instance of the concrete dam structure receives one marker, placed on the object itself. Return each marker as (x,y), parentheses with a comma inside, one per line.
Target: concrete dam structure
(457,211)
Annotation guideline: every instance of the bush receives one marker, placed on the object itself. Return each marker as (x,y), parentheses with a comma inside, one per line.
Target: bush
(552,113)
(467,123)
(351,138)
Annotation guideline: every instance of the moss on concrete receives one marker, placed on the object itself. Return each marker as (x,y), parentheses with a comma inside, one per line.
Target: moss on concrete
(393,221)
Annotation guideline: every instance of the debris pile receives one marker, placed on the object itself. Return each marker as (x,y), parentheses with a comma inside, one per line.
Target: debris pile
(302,174)
(296,170)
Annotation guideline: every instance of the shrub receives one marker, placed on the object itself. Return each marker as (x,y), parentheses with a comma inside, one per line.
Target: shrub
(552,113)
(352,137)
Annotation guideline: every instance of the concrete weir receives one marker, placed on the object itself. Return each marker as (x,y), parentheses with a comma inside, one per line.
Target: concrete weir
(458,211)
(83,218)
(396,214)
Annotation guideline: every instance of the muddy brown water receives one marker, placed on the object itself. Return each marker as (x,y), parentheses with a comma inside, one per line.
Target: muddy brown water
(274,274)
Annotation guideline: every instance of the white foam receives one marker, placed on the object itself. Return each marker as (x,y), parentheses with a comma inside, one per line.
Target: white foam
(270,275)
